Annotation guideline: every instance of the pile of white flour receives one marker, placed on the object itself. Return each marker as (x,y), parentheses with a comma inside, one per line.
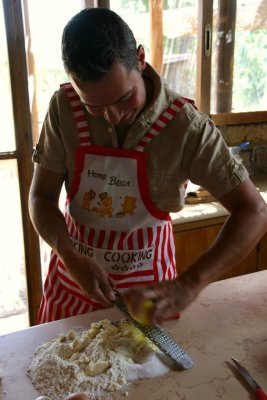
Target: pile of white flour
(97,361)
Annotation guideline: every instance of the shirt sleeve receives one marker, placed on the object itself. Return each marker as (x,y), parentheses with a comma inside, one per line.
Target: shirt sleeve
(50,151)
(212,166)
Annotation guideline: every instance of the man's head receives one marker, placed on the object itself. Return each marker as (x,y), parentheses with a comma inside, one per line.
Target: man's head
(93,41)
(105,67)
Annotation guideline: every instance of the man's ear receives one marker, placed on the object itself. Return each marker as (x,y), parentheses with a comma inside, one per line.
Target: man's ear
(141,57)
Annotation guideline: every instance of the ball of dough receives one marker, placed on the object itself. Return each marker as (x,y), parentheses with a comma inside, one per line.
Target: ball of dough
(142,316)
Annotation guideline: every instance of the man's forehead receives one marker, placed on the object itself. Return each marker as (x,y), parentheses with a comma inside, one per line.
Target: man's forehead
(119,100)
(113,88)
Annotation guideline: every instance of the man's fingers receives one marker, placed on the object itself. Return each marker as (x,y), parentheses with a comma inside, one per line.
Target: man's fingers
(99,291)
(111,282)
(162,311)
(137,297)
(99,296)
(107,291)
(103,288)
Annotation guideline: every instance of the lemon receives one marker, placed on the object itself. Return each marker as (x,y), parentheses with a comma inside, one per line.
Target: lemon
(142,316)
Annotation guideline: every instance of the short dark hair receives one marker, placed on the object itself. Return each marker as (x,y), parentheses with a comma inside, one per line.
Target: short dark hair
(93,40)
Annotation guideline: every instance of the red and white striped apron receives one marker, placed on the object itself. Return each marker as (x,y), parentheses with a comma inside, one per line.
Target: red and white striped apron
(111,219)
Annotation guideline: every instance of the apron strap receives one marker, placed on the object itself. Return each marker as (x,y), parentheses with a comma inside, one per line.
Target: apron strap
(83,128)
(163,120)
(79,114)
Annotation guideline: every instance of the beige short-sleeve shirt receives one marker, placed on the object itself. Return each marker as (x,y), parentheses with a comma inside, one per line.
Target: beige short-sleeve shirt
(190,147)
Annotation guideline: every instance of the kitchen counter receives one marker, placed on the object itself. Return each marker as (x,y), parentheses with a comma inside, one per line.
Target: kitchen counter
(227,320)
(205,211)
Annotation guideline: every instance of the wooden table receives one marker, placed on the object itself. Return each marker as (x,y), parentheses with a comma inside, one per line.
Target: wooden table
(229,319)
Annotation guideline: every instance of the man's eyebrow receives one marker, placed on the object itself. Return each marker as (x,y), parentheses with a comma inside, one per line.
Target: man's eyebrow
(115,102)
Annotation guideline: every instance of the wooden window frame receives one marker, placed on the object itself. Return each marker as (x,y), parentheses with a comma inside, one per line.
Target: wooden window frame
(203,78)
(22,124)
(95,3)
(227,10)
(243,118)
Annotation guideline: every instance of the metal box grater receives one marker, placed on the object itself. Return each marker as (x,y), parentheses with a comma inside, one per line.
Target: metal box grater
(171,349)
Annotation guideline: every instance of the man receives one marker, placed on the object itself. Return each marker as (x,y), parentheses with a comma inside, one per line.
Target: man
(124,144)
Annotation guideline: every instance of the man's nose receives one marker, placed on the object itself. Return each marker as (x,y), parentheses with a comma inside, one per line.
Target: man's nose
(112,115)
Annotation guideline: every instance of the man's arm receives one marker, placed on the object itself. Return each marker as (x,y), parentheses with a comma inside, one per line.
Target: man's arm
(242,230)
(50,224)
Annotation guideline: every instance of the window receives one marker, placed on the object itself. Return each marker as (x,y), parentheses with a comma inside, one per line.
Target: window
(168,31)
(7,142)
(44,51)
(46,70)
(19,251)
(13,292)
(212,51)
(239,81)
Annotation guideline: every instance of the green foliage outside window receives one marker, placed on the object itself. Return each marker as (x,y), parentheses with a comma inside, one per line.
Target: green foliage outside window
(250,77)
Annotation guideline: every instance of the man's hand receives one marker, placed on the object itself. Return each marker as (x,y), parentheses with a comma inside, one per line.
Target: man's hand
(91,277)
(49,222)
(169,297)
(242,230)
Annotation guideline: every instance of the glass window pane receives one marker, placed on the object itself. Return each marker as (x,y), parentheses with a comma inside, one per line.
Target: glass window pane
(180,46)
(250,65)
(136,15)
(249,92)
(13,293)
(179,38)
(47,67)
(46,47)
(7,140)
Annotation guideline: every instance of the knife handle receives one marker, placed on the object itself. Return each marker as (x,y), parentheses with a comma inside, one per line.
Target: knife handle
(260,394)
